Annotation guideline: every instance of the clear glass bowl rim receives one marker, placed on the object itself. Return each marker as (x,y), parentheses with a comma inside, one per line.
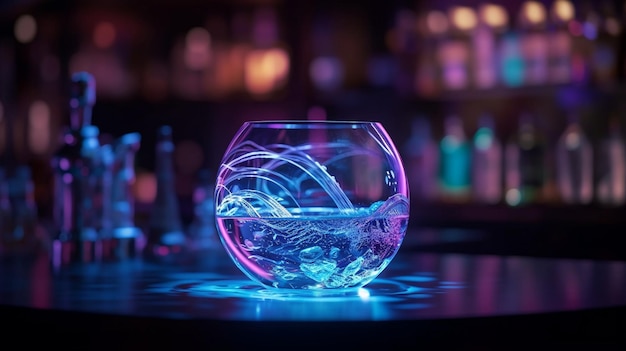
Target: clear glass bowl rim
(309,124)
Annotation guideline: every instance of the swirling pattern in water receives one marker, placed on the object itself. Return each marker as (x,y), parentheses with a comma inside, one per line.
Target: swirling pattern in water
(266,161)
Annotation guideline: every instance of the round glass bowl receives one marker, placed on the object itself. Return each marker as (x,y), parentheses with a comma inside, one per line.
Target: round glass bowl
(312,204)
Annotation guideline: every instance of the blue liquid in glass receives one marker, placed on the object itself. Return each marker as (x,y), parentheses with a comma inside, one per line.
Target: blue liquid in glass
(317,248)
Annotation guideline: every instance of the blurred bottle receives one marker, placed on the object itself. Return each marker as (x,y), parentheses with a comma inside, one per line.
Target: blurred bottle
(560,42)
(104,189)
(525,168)
(605,52)
(6,216)
(611,185)
(126,238)
(92,168)
(534,42)
(492,21)
(486,163)
(404,46)
(585,30)
(422,160)
(76,236)
(454,161)
(432,28)
(23,236)
(165,232)
(511,60)
(203,231)
(574,157)
(454,52)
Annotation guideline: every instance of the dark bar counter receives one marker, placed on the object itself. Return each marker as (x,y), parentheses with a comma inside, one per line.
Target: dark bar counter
(199,300)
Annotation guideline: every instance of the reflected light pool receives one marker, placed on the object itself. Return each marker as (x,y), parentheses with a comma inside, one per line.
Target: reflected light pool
(244,299)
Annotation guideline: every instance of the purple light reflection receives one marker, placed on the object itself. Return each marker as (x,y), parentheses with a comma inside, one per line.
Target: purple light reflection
(241,259)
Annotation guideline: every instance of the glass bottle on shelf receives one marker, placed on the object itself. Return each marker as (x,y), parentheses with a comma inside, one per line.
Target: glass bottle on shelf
(454,52)
(511,60)
(492,22)
(574,159)
(76,235)
(486,163)
(454,161)
(23,236)
(422,160)
(611,185)
(534,43)
(127,238)
(5,210)
(404,48)
(525,171)
(432,28)
(585,28)
(165,229)
(483,49)
(560,42)
(605,51)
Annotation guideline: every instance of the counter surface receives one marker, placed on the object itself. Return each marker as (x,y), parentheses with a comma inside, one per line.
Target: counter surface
(203,296)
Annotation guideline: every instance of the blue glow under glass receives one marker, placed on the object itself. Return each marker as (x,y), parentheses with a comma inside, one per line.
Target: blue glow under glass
(312,205)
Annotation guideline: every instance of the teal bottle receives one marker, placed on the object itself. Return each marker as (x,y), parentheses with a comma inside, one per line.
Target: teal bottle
(455,160)
(486,163)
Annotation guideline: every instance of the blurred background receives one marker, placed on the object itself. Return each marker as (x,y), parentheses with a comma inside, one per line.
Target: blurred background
(508,114)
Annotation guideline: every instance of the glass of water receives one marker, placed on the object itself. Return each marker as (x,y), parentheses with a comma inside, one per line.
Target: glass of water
(312,205)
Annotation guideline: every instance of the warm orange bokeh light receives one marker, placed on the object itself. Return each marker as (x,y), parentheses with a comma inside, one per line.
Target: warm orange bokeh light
(494,16)
(563,10)
(534,12)
(463,18)
(266,70)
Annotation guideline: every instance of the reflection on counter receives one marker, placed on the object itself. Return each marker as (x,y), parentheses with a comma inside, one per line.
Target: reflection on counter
(416,286)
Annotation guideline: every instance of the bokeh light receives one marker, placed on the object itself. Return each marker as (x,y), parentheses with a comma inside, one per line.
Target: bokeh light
(437,22)
(464,18)
(612,26)
(145,187)
(39,127)
(534,12)
(25,29)
(104,35)
(494,16)
(326,72)
(513,197)
(563,10)
(266,70)
(197,48)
